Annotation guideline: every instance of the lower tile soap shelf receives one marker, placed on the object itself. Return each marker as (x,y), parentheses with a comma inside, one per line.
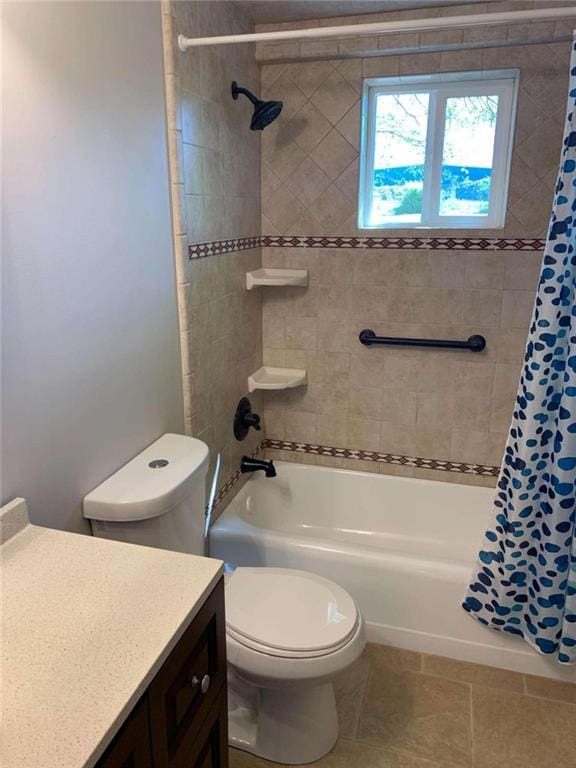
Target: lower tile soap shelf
(278,277)
(276,378)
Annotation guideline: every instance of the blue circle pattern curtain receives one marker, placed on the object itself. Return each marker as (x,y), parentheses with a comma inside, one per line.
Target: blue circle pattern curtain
(525,579)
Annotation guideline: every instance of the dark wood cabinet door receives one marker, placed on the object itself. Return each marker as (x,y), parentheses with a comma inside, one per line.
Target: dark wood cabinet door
(131,748)
(210,748)
(189,685)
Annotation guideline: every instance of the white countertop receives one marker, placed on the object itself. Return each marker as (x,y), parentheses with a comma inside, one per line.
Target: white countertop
(86,624)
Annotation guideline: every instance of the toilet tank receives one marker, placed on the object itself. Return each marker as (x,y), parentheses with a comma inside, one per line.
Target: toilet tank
(158,499)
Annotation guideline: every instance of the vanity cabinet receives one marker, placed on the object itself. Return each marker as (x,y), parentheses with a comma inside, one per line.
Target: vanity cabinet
(131,747)
(181,721)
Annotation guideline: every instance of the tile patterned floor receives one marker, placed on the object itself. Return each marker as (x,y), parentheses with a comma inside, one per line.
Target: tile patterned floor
(400,709)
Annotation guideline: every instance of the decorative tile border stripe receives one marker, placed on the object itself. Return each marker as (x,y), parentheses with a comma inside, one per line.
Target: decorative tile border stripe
(202,250)
(407,243)
(483,470)
(233,479)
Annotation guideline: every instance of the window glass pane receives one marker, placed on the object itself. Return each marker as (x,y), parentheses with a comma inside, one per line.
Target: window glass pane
(399,155)
(467,155)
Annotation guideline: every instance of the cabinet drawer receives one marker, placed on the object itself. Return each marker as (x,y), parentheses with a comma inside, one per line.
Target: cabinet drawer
(189,684)
(131,748)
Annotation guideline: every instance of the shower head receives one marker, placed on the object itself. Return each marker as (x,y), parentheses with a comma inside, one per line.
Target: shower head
(264,111)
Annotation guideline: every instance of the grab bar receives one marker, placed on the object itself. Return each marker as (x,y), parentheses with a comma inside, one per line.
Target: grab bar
(475,343)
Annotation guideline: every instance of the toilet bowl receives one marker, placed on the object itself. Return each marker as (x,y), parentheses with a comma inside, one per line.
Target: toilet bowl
(289,634)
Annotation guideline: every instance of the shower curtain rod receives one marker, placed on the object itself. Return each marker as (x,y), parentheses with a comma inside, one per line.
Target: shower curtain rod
(379,27)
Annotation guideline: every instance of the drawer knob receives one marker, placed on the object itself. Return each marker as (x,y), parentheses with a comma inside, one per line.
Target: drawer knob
(204,683)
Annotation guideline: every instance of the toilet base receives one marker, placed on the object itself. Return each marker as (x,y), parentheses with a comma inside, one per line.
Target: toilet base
(284,725)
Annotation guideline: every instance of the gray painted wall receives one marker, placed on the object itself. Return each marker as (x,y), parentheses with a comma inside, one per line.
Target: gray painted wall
(90,356)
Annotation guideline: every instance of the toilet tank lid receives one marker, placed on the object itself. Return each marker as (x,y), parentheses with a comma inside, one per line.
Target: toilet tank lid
(152,483)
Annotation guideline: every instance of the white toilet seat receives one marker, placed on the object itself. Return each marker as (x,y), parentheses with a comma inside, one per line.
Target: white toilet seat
(289,634)
(288,613)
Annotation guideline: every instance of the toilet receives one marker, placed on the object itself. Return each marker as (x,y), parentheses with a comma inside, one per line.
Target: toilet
(289,633)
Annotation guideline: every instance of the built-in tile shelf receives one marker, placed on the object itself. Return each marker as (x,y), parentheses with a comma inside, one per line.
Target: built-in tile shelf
(266,276)
(276,378)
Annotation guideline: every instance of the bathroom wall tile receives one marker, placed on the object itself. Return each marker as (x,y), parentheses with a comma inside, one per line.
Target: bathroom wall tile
(496,445)
(295,458)
(515,731)
(392,268)
(309,126)
(512,345)
(282,208)
(438,269)
(364,432)
(521,270)
(434,409)
(517,309)
(333,207)
(469,446)
(335,267)
(301,333)
(381,66)
(308,76)
(439,476)
(442,294)
(364,403)
(484,270)
(331,430)
(274,333)
(483,307)
(292,95)
(193,170)
(456,61)
(472,413)
(275,423)
(420,64)
(397,470)
(399,406)
(333,154)
(301,426)
(399,438)
(347,182)
(334,96)
(308,181)
(281,158)
(206,179)
(432,442)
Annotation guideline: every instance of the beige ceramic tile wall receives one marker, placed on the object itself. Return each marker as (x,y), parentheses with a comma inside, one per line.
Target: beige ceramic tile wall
(400,709)
(214,163)
(433,40)
(310,157)
(441,405)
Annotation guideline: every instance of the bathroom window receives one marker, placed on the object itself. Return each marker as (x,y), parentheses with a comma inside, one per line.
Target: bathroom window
(436,150)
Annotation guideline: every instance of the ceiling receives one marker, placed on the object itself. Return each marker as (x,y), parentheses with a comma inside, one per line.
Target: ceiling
(274,11)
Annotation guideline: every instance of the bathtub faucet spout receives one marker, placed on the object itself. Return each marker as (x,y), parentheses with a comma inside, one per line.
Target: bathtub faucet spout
(252,465)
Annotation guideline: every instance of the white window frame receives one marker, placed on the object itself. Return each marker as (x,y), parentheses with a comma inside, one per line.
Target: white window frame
(503,83)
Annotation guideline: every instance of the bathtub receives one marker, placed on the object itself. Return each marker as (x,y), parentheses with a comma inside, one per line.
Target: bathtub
(403,548)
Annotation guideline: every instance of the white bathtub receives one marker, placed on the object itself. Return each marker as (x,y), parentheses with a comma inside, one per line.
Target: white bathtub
(403,548)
